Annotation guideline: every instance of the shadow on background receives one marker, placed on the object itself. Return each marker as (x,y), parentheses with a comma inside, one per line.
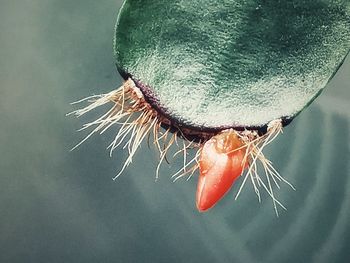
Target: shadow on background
(61,206)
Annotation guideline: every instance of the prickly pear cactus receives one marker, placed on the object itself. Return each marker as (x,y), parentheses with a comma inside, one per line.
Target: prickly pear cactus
(218,64)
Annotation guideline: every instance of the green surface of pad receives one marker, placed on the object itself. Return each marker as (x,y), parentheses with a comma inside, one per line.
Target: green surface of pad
(213,64)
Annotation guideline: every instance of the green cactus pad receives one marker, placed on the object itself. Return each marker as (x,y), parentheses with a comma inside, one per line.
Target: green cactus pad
(218,64)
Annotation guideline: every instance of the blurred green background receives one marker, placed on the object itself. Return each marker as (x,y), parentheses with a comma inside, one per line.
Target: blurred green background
(62,206)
